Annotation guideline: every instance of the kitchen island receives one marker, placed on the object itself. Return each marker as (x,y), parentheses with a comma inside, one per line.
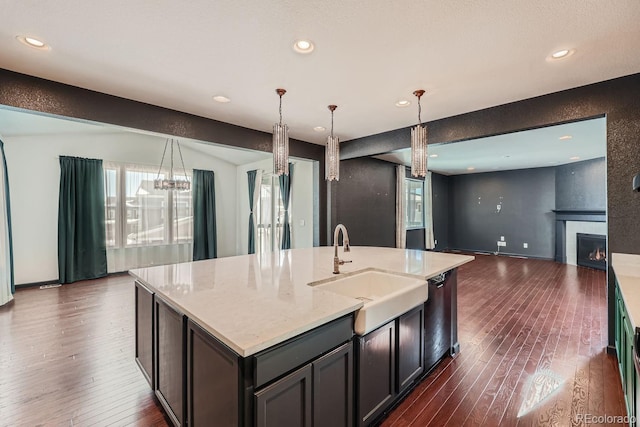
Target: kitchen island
(233,338)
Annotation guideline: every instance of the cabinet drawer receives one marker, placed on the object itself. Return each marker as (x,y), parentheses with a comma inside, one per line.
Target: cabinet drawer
(273,363)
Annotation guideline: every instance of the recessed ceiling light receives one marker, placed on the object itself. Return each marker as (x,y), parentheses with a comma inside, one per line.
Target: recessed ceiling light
(303,46)
(33,42)
(561,54)
(433,155)
(574,158)
(319,128)
(403,103)
(565,137)
(471,168)
(221,98)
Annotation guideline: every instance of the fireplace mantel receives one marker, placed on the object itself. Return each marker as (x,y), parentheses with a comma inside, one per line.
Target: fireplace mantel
(562,216)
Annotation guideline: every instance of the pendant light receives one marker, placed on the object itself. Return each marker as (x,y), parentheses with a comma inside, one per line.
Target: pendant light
(280,143)
(419,143)
(171,182)
(332,153)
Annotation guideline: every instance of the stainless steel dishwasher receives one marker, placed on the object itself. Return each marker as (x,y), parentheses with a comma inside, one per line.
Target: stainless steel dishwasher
(438,319)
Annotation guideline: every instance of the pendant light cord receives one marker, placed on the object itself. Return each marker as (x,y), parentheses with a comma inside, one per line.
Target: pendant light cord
(331,123)
(162,161)
(419,111)
(280,110)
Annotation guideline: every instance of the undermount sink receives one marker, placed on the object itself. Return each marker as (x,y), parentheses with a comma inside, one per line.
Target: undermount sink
(385,296)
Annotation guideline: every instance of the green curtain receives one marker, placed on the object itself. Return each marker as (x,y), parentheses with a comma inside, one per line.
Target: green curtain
(251,180)
(7,207)
(204,215)
(82,250)
(285,192)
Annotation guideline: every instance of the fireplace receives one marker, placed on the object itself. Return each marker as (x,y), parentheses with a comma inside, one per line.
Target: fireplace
(592,250)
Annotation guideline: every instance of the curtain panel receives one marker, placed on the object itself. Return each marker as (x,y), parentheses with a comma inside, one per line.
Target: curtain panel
(251,181)
(285,192)
(7,284)
(401,200)
(204,215)
(429,240)
(81,228)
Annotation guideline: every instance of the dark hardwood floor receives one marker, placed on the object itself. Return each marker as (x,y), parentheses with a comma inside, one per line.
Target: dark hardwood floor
(532,336)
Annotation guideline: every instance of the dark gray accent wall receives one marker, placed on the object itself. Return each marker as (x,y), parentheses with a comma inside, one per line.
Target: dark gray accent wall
(582,185)
(527,200)
(365,201)
(441,196)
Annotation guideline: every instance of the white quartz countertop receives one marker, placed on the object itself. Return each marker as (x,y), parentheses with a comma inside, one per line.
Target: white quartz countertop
(252,302)
(627,270)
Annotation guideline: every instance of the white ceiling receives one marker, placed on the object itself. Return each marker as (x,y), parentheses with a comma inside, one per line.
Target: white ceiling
(519,150)
(15,124)
(369,54)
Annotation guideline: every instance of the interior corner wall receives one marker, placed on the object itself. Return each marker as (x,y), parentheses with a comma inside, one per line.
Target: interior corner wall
(364,201)
(34,178)
(582,185)
(441,194)
(526,198)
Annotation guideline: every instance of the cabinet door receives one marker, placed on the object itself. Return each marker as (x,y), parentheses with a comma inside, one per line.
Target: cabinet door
(333,388)
(629,378)
(376,372)
(213,380)
(410,355)
(170,368)
(287,402)
(144,332)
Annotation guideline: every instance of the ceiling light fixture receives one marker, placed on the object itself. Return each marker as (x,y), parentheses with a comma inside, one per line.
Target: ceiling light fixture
(171,183)
(303,46)
(403,103)
(433,155)
(280,143)
(561,54)
(419,143)
(319,128)
(33,42)
(574,158)
(471,168)
(565,137)
(332,153)
(221,98)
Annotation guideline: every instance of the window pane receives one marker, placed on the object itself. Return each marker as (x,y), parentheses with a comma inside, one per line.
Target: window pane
(145,209)
(414,195)
(182,216)
(264,216)
(110,206)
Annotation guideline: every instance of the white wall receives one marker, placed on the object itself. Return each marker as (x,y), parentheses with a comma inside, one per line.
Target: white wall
(34,179)
(301,203)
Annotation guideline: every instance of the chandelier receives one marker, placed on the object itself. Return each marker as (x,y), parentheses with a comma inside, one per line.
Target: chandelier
(171,182)
(419,143)
(332,153)
(280,143)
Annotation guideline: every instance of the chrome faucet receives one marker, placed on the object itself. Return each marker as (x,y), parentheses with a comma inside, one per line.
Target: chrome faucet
(337,262)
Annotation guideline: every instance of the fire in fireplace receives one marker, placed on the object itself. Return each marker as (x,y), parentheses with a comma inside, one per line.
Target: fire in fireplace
(592,250)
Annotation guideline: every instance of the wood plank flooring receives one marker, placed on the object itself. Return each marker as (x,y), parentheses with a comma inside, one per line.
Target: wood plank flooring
(532,335)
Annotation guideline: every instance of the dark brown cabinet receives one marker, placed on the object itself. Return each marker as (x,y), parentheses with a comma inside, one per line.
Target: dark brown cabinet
(287,402)
(170,360)
(376,372)
(212,380)
(333,388)
(144,332)
(410,347)
(319,394)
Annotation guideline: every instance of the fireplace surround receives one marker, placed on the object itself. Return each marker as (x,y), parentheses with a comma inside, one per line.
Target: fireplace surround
(562,216)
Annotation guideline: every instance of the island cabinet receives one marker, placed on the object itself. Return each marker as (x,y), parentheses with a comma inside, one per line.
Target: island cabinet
(625,348)
(144,331)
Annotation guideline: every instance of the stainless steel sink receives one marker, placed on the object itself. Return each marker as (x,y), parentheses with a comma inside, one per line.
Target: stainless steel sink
(385,295)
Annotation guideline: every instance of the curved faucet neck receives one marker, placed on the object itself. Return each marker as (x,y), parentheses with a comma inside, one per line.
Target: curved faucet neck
(345,238)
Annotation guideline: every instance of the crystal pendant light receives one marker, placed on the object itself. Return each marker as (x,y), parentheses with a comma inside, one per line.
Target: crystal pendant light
(332,153)
(419,143)
(280,143)
(171,182)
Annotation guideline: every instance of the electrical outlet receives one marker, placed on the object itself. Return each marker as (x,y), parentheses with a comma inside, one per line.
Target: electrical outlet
(525,245)
(302,223)
(502,238)
(502,243)
(435,242)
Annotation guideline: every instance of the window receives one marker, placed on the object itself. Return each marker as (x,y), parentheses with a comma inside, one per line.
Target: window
(270,214)
(136,214)
(415,203)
